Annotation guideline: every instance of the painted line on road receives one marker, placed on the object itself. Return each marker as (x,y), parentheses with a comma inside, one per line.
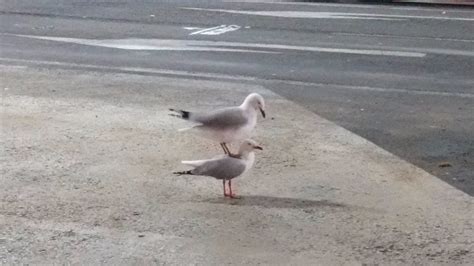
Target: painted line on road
(216,30)
(401,37)
(222,46)
(151,44)
(328,15)
(138,71)
(191,28)
(212,28)
(218,46)
(378,89)
(353,5)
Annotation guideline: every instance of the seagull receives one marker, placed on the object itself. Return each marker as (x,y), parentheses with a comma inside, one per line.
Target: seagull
(228,124)
(225,167)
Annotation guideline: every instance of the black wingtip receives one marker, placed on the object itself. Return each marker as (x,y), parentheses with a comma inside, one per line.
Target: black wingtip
(183,173)
(182,114)
(185,114)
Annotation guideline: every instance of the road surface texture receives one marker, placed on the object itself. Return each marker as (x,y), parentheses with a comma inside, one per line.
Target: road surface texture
(365,103)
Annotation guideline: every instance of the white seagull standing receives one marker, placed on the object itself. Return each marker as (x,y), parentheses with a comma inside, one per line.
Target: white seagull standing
(225,167)
(228,124)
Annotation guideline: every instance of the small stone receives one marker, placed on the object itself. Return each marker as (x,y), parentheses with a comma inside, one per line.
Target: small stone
(444,164)
(69,233)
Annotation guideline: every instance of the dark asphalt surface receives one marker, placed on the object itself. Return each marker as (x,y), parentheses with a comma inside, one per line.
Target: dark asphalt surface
(419,108)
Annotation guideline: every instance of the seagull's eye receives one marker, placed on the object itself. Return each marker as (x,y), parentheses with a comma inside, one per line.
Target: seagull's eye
(249,144)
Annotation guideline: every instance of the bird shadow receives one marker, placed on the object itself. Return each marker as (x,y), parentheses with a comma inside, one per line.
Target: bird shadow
(275,202)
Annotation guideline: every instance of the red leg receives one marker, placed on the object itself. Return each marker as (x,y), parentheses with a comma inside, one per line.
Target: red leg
(231,195)
(223,186)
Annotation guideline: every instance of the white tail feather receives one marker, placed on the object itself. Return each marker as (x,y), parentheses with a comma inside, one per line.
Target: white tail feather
(197,163)
(194,163)
(184,129)
(188,128)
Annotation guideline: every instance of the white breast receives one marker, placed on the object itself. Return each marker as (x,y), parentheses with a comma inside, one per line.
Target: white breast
(249,161)
(244,132)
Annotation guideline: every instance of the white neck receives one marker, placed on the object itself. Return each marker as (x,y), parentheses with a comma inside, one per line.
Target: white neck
(248,108)
(249,160)
(246,104)
(244,154)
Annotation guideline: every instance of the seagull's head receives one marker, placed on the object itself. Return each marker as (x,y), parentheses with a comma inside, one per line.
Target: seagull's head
(255,100)
(248,146)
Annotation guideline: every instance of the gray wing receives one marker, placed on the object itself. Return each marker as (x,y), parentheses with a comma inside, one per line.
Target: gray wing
(225,168)
(224,118)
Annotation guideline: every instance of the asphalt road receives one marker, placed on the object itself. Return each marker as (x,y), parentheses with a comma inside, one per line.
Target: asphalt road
(401,77)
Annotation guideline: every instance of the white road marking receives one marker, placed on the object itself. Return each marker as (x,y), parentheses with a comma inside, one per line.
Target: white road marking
(330,15)
(137,70)
(387,90)
(153,44)
(216,30)
(207,29)
(401,37)
(218,46)
(192,28)
(328,50)
(361,6)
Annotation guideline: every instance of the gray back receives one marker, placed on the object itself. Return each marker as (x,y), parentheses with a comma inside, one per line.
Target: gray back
(223,118)
(225,168)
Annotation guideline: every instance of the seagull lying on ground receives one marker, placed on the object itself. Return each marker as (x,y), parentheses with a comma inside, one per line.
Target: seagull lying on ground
(228,124)
(225,167)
